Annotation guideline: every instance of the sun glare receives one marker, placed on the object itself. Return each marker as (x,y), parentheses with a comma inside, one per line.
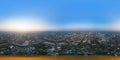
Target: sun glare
(18,26)
(21,24)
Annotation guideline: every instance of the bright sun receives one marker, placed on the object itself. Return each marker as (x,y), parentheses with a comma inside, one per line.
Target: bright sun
(21,24)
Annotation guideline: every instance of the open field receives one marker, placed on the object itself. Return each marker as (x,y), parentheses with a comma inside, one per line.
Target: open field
(63,58)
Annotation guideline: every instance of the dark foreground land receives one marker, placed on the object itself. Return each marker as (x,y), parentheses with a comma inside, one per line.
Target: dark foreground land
(60,43)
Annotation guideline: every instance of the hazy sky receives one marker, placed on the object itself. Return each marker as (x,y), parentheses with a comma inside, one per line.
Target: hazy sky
(67,14)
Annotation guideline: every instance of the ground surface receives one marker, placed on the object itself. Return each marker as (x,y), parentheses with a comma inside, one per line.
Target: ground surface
(63,58)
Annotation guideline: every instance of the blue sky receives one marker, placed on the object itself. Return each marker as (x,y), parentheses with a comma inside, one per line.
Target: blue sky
(65,13)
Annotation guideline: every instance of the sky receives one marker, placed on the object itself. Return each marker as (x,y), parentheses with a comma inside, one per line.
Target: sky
(61,14)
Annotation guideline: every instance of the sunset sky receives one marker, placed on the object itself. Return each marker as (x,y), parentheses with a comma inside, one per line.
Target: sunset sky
(60,14)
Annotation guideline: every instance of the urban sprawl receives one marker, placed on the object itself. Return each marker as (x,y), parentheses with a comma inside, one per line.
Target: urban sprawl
(59,43)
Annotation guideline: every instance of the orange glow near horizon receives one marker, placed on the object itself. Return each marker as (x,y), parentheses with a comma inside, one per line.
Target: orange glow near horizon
(23,25)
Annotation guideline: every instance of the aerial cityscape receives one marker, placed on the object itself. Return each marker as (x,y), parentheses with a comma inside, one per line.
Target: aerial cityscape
(60,43)
(59,29)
